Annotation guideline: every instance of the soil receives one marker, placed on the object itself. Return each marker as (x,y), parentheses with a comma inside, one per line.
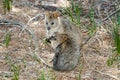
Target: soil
(94,55)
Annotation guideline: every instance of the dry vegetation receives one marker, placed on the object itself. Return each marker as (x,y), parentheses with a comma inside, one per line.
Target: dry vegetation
(17,59)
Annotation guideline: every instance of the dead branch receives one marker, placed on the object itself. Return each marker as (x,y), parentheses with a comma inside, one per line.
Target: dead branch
(5,73)
(23,26)
(35,18)
(111,15)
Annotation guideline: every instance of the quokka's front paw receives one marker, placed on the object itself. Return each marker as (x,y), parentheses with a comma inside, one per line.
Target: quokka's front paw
(47,40)
(55,58)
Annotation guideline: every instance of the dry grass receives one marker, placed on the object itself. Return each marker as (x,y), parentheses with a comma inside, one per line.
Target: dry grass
(92,64)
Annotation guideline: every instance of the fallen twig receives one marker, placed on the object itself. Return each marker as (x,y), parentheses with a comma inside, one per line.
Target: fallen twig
(35,18)
(23,26)
(39,59)
(5,73)
(111,15)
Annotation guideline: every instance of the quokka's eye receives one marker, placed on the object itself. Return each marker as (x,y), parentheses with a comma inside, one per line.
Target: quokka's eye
(52,23)
(46,23)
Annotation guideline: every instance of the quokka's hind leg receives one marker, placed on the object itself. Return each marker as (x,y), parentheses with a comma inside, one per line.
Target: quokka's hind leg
(66,60)
(57,54)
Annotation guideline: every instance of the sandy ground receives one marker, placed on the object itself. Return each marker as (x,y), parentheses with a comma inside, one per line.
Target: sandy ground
(92,64)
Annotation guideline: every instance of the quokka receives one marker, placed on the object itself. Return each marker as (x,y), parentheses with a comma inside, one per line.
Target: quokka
(65,39)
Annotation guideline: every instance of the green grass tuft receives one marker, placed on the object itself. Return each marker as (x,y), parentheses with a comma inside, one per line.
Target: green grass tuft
(7,39)
(7,4)
(73,13)
(13,67)
(42,77)
(116,39)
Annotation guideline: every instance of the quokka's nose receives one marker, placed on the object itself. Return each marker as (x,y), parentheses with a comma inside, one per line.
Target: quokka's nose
(48,28)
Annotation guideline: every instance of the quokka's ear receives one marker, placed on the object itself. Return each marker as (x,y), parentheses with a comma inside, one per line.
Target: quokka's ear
(56,14)
(52,15)
(47,13)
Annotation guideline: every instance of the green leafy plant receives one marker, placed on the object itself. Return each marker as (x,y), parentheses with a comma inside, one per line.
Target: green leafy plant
(7,4)
(116,40)
(92,27)
(42,77)
(13,67)
(51,75)
(79,76)
(7,39)
(16,70)
(73,12)
(110,61)
(118,19)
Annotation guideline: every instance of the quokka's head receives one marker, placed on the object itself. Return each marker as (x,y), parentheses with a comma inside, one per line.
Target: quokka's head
(51,20)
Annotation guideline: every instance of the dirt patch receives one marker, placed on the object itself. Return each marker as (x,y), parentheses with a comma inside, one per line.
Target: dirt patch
(92,64)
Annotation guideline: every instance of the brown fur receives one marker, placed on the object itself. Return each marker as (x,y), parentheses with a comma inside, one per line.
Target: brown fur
(66,42)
